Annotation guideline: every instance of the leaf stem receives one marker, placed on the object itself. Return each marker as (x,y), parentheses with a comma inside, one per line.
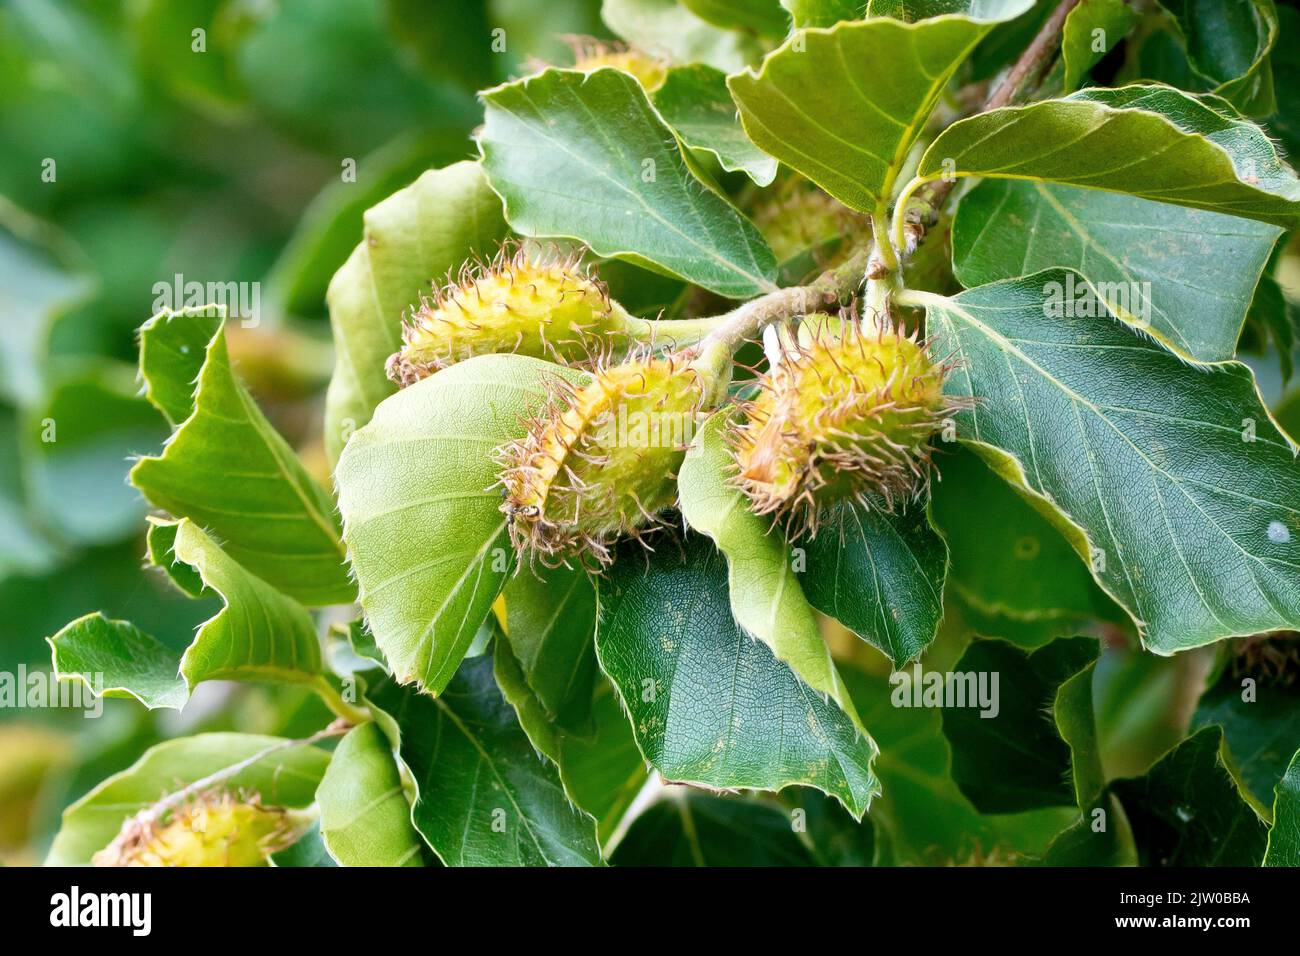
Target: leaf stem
(334,701)
(1022,76)
(157,810)
(746,322)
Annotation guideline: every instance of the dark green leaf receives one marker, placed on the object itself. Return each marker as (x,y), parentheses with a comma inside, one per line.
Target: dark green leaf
(1172,478)
(1189,811)
(1184,274)
(1008,755)
(709,704)
(586,156)
(686,828)
(484,797)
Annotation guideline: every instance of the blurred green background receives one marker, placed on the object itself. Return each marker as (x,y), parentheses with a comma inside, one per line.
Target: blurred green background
(133,149)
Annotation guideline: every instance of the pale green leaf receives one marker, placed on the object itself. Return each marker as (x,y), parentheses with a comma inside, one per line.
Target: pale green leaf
(285,777)
(413,238)
(767,600)
(364,817)
(709,704)
(824,13)
(424,529)
(668,29)
(1170,479)
(226,468)
(586,156)
(1186,275)
(119,660)
(694,100)
(814,108)
(765,18)
(258,635)
(1150,141)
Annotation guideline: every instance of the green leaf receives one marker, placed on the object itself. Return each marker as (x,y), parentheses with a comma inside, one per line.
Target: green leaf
(550,621)
(129,662)
(694,101)
(710,705)
(307,851)
(226,468)
(813,108)
(920,816)
(831,835)
(824,13)
(668,29)
(765,18)
(1189,811)
(1079,38)
(79,441)
(1284,837)
(1186,275)
(1260,719)
(1144,140)
(258,635)
(484,797)
(605,772)
(533,718)
(364,817)
(685,828)
(1008,756)
(1285,60)
(426,537)
(1076,721)
(1170,478)
(767,600)
(880,575)
(586,156)
(1014,573)
(415,236)
(284,778)
(1227,47)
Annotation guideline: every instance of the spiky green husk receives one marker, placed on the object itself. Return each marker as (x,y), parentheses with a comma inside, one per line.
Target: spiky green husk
(601,461)
(590,54)
(548,307)
(846,414)
(215,829)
